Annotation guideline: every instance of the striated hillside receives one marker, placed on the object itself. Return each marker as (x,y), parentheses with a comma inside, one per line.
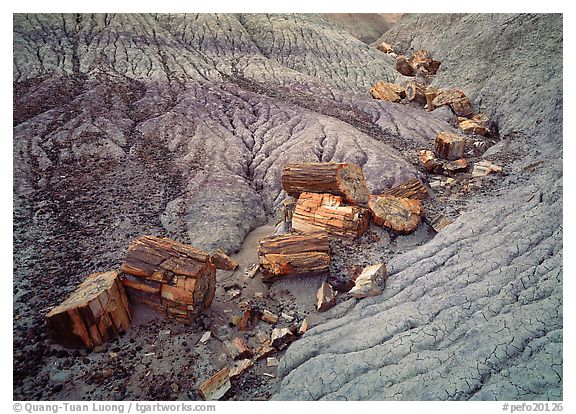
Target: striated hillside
(179,125)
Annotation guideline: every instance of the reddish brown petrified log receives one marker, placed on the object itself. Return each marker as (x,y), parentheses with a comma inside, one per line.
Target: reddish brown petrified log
(416,92)
(456,99)
(172,277)
(222,261)
(413,189)
(316,212)
(94,313)
(342,179)
(400,215)
(422,60)
(385,47)
(294,254)
(387,91)
(449,146)
(404,66)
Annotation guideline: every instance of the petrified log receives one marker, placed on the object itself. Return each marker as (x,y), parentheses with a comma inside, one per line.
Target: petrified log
(342,179)
(387,91)
(482,168)
(430,162)
(93,314)
(216,386)
(317,212)
(385,47)
(294,254)
(455,166)
(239,367)
(325,296)
(404,66)
(416,92)
(422,60)
(400,215)
(456,99)
(449,146)
(431,93)
(471,126)
(174,278)
(413,189)
(368,283)
(222,261)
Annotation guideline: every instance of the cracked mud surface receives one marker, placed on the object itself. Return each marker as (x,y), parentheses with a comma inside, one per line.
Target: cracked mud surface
(179,126)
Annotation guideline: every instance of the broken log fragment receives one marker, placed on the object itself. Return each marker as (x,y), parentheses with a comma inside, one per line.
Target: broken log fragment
(346,180)
(431,93)
(326,297)
(93,314)
(368,283)
(269,317)
(415,92)
(294,254)
(449,146)
(385,91)
(456,99)
(239,367)
(324,212)
(430,162)
(400,215)
(178,279)
(471,126)
(281,337)
(404,66)
(413,189)
(455,166)
(385,48)
(222,261)
(422,60)
(216,386)
(484,167)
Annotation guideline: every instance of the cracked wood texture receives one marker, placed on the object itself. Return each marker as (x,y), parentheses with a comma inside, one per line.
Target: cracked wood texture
(476,313)
(124,124)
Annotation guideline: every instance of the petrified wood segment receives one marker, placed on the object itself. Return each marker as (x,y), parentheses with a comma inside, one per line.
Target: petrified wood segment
(404,66)
(317,212)
(342,179)
(400,215)
(416,92)
(385,48)
(431,93)
(174,278)
(472,126)
(449,146)
(422,60)
(456,99)
(93,314)
(413,189)
(294,254)
(222,261)
(387,91)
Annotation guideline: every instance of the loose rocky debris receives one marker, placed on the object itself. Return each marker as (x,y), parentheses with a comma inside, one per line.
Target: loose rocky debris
(269,317)
(222,261)
(240,367)
(483,168)
(281,337)
(413,189)
(401,215)
(95,312)
(216,386)
(404,66)
(368,283)
(385,48)
(173,278)
(326,297)
(325,212)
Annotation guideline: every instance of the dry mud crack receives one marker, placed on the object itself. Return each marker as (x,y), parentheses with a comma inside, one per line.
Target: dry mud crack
(179,126)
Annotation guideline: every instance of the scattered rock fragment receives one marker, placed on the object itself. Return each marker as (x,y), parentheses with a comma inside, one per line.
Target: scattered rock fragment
(286,317)
(431,93)
(326,297)
(303,327)
(456,100)
(272,362)
(401,215)
(206,337)
(416,92)
(404,66)
(222,261)
(238,348)
(456,166)
(471,127)
(440,222)
(265,350)
(423,60)
(249,319)
(240,367)
(385,91)
(216,386)
(251,271)
(269,317)
(449,146)
(367,283)
(385,48)
(430,162)
(413,189)
(483,168)
(281,337)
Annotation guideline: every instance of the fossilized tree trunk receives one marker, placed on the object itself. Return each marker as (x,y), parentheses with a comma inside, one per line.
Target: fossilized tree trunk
(172,277)
(401,215)
(93,314)
(294,254)
(342,179)
(317,212)
(416,92)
